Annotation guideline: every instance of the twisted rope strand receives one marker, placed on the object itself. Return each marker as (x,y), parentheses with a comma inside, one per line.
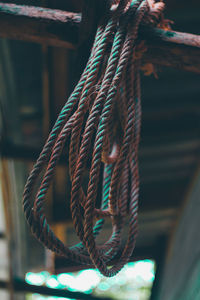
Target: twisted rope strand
(102,121)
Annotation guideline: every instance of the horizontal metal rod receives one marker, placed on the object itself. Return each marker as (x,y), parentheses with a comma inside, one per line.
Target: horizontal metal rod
(19,285)
(61,29)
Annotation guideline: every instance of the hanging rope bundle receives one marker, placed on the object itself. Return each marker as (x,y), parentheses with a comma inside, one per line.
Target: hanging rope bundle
(102,117)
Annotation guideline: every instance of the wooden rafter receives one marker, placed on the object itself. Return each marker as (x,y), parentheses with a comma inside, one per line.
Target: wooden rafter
(60,28)
(21,286)
(39,25)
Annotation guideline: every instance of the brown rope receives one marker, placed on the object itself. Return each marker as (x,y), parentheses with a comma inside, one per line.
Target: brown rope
(102,117)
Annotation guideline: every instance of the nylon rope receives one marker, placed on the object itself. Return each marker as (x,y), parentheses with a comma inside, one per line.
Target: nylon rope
(102,117)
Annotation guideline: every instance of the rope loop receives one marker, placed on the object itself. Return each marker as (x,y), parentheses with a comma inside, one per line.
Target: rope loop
(102,120)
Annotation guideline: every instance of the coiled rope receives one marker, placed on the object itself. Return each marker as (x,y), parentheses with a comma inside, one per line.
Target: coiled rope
(102,117)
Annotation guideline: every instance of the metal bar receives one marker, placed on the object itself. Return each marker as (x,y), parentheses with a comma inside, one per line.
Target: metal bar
(60,28)
(21,286)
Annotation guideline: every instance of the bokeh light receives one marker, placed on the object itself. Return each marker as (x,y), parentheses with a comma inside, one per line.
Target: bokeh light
(35,278)
(134,281)
(52,282)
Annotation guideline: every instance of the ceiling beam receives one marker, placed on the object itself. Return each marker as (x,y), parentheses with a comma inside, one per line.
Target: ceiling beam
(180,148)
(61,28)
(22,286)
(39,25)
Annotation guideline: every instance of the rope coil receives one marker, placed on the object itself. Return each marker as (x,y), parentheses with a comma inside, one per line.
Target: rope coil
(102,117)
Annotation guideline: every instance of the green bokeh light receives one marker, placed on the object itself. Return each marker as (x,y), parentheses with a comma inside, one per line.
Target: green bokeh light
(135,278)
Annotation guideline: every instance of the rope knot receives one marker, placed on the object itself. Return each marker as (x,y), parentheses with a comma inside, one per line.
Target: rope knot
(155,11)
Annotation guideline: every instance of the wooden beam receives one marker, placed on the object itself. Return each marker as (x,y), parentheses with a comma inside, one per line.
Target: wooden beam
(172,49)
(39,25)
(60,28)
(180,148)
(22,286)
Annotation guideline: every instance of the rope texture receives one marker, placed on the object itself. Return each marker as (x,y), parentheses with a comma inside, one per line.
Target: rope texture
(102,117)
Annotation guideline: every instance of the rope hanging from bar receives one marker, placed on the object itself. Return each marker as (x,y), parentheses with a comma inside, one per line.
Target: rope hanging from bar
(102,117)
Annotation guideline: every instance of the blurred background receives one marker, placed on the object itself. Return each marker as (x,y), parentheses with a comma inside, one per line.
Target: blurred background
(35,81)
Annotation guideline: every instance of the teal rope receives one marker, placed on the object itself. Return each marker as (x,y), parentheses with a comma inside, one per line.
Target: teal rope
(102,117)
